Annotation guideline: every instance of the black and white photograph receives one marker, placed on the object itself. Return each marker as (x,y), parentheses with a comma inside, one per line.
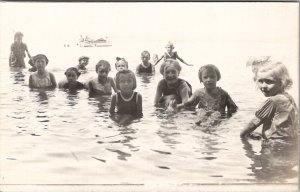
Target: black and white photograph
(149,96)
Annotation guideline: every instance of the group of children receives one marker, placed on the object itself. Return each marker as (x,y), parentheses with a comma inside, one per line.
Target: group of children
(279,113)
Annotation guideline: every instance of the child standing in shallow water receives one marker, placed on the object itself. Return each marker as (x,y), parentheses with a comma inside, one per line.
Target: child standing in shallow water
(18,49)
(127,101)
(212,100)
(41,78)
(170,54)
(103,84)
(279,113)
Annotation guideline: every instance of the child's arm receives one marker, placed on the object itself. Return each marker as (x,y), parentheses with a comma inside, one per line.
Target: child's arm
(113,85)
(139,105)
(159,60)
(53,81)
(26,49)
(183,60)
(158,94)
(184,92)
(231,106)
(113,105)
(254,123)
(190,101)
(30,82)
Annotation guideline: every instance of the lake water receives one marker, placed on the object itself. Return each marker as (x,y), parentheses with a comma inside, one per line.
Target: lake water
(57,137)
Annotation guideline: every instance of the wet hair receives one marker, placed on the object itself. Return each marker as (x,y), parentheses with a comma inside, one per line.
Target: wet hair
(18,34)
(278,71)
(38,56)
(206,67)
(167,63)
(121,59)
(125,72)
(170,44)
(145,53)
(74,69)
(104,64)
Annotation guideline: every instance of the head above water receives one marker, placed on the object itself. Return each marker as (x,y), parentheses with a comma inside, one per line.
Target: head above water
(72,70)
(103,64)
(169,63)
(127,73)
(121,64)
(209,67)
(274,70)
(40,56)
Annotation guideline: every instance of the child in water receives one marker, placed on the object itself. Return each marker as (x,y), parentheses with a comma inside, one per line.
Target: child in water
(41,78)
(127,101)
(103,84)
(72,75)
(18,49)
(212,100)
(171,87)
(121,64)
(170,54)
(279,113)
(145,66)
(83,62)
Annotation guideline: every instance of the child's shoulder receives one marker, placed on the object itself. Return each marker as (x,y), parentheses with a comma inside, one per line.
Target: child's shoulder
(282,98)
(222,91)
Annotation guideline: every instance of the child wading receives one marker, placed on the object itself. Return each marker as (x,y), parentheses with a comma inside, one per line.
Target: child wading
(170,54)
(41,78)
(126,101)
(103,84)
(279,113)
(18,49)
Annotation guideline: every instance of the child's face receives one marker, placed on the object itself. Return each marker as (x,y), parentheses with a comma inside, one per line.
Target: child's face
(209,78)
(126,83)
(84,62)
(171,74)
(71,76)
(145,58)
(18,39)
(268,85)
(169,49)
(40,64)
(102,72)
(121,65)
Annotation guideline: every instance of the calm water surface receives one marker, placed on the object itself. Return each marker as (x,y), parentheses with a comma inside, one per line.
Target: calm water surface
(58,137)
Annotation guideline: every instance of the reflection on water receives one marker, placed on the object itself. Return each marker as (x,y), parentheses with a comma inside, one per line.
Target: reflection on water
(67,134)
(275,162)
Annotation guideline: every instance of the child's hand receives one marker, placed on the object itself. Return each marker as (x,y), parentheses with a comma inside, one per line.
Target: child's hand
(189,64)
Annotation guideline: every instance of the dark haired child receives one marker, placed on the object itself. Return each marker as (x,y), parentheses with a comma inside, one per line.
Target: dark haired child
(41,78)
(103,84)
(212,101)
(126,101)
(72,75)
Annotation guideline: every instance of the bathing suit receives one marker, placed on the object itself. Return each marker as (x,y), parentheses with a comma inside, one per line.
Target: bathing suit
(127,106)
(38,82)
(99,88)
(279,114)
(141,69)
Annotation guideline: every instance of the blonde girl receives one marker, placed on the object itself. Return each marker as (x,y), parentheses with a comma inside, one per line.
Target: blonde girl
(279,113)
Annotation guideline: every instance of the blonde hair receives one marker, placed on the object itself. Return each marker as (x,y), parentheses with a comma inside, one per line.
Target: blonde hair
(278,71)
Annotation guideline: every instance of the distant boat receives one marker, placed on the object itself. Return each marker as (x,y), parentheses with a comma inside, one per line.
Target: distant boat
(89,42)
